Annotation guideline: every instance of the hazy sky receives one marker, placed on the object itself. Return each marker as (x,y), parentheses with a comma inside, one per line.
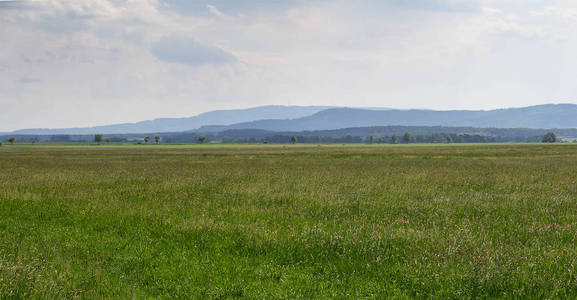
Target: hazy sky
(66,63)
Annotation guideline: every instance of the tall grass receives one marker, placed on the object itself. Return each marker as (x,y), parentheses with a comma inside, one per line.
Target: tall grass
(288,222)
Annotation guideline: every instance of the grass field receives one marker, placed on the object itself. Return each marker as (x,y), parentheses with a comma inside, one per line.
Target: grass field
(477,221)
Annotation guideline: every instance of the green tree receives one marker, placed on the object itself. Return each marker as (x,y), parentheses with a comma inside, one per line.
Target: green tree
(201,139)
(146,139)
(98,138)
(449,139)
(294,139)
(394,139)
(381,140)
(12,140)
(157,139)
(107,140)
(549,138)
(371,139)
(407,138)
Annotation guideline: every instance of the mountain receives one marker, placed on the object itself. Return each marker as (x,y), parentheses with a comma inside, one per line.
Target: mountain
(308,118)
(541,116)
(378,131)
(217,117)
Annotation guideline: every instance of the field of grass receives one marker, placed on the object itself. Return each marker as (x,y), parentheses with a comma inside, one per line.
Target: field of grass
(477,221)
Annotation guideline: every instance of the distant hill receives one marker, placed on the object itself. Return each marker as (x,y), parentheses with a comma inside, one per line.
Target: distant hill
(541,116)
(310,118)
(378,131)
(217,117)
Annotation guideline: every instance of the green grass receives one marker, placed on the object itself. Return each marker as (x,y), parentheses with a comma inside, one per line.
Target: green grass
(216,146)
(274,221)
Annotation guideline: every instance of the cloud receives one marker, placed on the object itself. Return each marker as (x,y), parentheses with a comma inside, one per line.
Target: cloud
(442,5)
(77,16)
(213,10)
(279,7)
(234,7)
(98,8)
(491,10)
(185,50)
(28,80)
(556,12)
(10,4)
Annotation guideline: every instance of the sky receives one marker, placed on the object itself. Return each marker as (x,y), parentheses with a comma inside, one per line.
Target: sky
(70,63)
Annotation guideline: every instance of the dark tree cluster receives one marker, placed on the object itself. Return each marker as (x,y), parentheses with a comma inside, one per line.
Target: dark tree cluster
(549,138)
(98,138)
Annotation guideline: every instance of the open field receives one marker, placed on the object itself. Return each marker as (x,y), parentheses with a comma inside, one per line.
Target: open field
(457,221)
(93,146)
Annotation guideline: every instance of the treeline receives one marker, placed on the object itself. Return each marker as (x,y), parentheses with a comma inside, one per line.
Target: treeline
(274,139)
(393,139)
(277,139)
(376,135)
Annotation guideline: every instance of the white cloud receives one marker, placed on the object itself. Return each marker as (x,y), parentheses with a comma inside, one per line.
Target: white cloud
(492,10)
(184,49)
(556,12)
(213,10)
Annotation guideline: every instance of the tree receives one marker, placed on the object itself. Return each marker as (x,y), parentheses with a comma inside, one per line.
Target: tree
(157,139)
(449,139)
(146,139)
(12,140)
(394,139)
(549,138)
(98,138)
(294,139)
(407,138)
(371,139)
(107,140)
(201,139)
(381,140)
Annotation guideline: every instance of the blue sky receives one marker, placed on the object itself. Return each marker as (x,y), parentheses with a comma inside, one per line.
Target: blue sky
(66,63)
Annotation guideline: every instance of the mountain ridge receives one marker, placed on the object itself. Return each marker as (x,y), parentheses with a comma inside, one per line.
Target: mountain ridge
(539,116)
(215,117)
(303,118)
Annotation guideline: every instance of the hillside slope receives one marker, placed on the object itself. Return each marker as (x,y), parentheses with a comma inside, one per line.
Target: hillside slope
(541,116)
(217,117)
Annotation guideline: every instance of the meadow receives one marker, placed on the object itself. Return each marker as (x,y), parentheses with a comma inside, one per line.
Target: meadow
(202,221)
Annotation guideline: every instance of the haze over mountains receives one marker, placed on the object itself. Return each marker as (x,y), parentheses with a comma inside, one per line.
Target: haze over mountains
(216,117)
(307,118)
(542,116)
